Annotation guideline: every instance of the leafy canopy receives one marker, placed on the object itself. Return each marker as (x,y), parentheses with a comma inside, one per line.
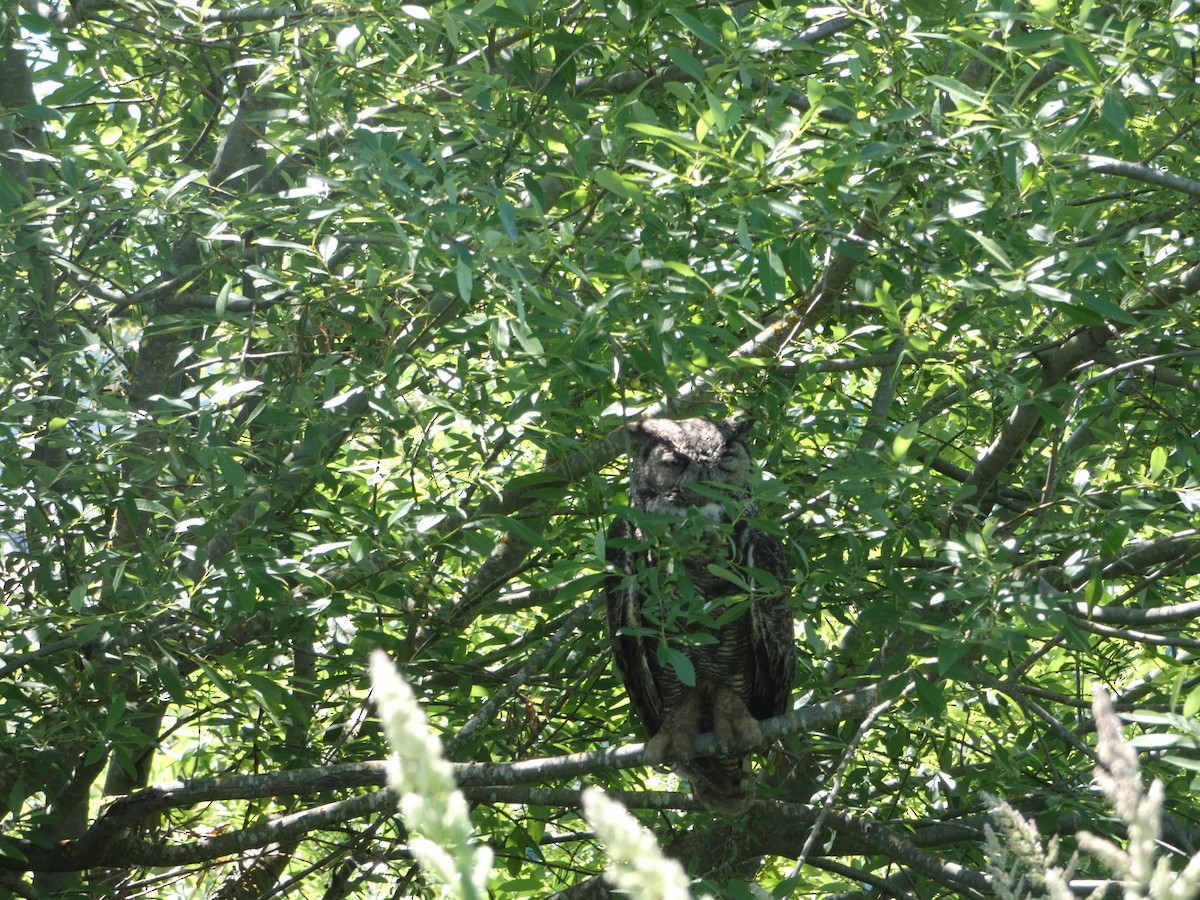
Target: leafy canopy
(318,324)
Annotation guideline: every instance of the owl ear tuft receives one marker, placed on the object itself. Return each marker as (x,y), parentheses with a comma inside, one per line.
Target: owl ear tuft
(738,426)
(648,429)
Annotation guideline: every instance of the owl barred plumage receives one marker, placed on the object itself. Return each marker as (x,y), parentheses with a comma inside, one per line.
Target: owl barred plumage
(678,604)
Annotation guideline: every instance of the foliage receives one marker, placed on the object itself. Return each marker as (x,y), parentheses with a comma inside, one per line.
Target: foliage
(1142,872)
(433,809)
(431,805)
(638,868)
(320,320)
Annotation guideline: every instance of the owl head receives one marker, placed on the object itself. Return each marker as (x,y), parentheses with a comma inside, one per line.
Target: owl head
(675,455)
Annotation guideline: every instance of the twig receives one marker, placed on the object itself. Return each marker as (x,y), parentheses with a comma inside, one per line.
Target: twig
(534,663)
(836,786)
(966,882)
(1030,706)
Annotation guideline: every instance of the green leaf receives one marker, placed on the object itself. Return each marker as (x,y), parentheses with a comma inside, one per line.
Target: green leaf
(116,712)
(697,28)
(1113,115)
(508,218)
(1106,310)
(1158,461)
(949,653)
(904,439)
(930,697)
(222,301)
(1081,57)
(684,670)
(78,598)
(39,113)
(726,575)
(679,139)
(717,108)
(691,66)
(763,580)
(464,276)
(1191,705)
(428,523)
(231,470)
(618,184)
(524,335)
(993,249)
(957,91)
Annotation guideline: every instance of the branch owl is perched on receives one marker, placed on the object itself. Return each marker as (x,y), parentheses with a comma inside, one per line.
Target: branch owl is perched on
(680,566)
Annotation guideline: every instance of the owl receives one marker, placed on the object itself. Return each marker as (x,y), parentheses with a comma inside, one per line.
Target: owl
(698,602)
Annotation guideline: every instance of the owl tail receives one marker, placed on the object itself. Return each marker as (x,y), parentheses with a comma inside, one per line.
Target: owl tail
(723,784)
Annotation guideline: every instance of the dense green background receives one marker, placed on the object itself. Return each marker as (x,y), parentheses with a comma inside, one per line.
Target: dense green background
(318,322)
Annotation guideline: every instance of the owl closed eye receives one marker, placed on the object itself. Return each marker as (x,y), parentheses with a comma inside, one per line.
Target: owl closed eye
(672,458)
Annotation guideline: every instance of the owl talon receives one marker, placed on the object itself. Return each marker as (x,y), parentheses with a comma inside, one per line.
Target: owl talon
(657,750)
(732,722)
(679,728)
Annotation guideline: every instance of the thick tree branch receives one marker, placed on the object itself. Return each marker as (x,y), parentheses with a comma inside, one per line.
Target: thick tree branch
(1106,165)
(780,828)
(1136,559)
(281,830)
(104,843)
(1185,284)
(1136,637)
(823,715)
(1061,363)
(264,13)
(968,882)
(568,798)
(1025,417)
(16,92)
(1125,615)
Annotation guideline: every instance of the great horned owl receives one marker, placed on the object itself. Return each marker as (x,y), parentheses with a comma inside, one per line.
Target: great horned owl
(698,610)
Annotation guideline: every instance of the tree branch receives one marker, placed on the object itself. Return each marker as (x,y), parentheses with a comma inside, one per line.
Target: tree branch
(1137,637)
(1083,345)
(1106,165)
(488,710)
(638,80)
(1122,615)
(106,842)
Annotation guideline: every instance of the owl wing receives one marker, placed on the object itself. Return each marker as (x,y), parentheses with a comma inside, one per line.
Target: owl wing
(636,658)
(772,649)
